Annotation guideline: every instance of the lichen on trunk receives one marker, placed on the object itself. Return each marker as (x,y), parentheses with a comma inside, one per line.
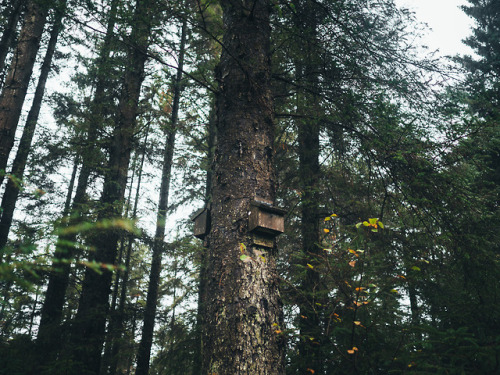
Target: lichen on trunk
(243,306)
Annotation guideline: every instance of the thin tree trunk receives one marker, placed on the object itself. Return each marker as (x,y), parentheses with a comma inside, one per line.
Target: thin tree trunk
(18,78)
(58,281)
(71,186)
(144,351)
(89,325)
(310,349)
(243,307)
(112,331)
(197,367)
(11,193)
(119,317)
(9,33)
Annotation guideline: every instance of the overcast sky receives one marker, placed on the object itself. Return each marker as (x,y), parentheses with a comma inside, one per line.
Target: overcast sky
(448,22)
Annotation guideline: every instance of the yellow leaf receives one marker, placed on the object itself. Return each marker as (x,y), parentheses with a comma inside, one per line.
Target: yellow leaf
(328,218)
(352,251)
(326,230)
(357,322)
(333,215)
(278,331)
(350,351)
(310,266)
(360,289)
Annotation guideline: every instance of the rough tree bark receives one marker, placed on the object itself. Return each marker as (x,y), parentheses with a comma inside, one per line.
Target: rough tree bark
(88,328)
(144,350)
(11,193)
(18,78)
(9,32)
(243,306)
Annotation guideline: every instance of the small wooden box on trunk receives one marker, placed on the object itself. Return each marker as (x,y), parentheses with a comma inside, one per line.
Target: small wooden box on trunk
(201,220)
(265,222)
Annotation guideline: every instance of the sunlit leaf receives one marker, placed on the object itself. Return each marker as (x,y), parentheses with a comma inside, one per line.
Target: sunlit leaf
(415,268)
(352,263)
(310,266)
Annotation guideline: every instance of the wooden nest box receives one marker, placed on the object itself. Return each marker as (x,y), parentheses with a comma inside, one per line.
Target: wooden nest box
(265,222)
(201,220)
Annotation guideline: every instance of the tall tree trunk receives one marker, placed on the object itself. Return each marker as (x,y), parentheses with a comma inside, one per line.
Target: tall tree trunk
(211,130)
(310,350)
(11,193)
(243,306)
(52,309)
(88,328)
(144,351)
(8,33)
(116,323)
(18,78)
(113,315)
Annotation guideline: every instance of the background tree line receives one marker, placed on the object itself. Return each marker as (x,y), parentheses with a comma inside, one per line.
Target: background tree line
(386,161)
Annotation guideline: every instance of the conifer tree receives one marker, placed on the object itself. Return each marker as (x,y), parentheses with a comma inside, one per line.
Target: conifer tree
(243,308)
(18,78)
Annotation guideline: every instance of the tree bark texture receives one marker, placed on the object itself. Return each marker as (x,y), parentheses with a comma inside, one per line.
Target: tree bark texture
(8,33)
(89,325)
(11,193)
(18,78)
(243,306)
(144,350)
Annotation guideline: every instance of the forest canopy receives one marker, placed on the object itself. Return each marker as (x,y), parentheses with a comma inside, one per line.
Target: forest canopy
(246,187)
